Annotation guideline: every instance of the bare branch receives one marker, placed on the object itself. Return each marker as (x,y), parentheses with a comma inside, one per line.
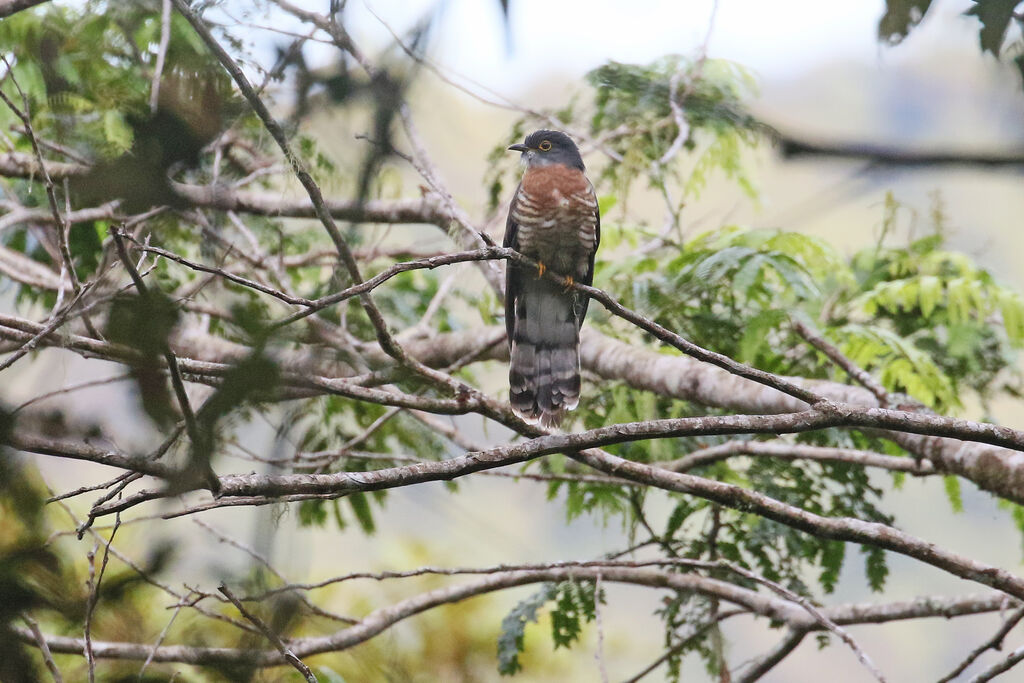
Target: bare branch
(883,156)
(191,424)
(161,54)
(1004,665)
(819,342)
(792,451)
(44,649)
(766,663)
(77,450)
(9,7)
(816,613)
(993,643)
(274,639)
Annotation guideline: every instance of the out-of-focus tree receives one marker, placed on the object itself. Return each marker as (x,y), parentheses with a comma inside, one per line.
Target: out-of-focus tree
(164,212)
(1001,24)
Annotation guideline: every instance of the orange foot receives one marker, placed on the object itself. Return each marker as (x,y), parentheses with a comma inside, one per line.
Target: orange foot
(569,282)
(540,269)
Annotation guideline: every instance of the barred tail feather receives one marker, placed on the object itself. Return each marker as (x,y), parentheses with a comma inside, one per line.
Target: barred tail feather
(544,374)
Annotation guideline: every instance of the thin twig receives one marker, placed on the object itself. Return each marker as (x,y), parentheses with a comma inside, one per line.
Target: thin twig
(602,667)
(69,389)
(161,57)
(224,538)
(159,640)
(832,352)
(1002,666)
(818,615)
(191,425)
(56,320)
(993,643)
(275,639)
(793,451)
(90,658)
(684,643)
(237,279)
(766,663)
(44,649)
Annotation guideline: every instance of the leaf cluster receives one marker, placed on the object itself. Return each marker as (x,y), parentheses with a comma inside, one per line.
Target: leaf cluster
(995,18)
(573,603)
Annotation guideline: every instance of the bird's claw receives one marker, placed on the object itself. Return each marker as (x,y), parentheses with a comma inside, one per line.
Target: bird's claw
(569,282)
(541,268)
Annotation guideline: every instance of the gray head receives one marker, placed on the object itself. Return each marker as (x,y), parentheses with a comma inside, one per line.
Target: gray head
(547,147)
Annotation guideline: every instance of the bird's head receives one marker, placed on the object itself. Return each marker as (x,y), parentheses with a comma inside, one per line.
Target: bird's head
(547,147)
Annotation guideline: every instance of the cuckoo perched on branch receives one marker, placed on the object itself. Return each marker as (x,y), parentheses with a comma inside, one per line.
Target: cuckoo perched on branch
(554,220)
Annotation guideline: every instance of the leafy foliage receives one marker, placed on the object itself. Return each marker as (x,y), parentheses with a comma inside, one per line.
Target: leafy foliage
(994,16)
(575,603)
(632,106)
(513,629)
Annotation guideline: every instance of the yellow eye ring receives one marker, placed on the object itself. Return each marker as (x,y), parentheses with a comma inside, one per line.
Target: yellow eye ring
(544,146)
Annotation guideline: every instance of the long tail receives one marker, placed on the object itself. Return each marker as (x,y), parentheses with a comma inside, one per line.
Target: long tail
(544,373)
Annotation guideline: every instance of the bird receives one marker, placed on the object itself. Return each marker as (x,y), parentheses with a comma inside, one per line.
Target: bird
(554,219)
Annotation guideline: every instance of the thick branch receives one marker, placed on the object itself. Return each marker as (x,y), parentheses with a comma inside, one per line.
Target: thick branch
(382,619)
(78,450)
(9,7)
(225,198)
(993,469)
(820,417)
(221,198)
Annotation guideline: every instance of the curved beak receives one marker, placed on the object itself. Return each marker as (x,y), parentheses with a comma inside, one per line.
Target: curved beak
(518,147)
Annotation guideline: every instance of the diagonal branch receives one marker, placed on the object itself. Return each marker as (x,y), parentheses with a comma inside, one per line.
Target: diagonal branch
(862,376)
(770,659)
(191,425)
(993,643)
(274,639)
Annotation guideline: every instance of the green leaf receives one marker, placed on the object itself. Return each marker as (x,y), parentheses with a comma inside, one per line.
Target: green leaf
(900,16)
(574,604)
(513,629)
(994,16)
(361,508)
(117,133)
(85,246)
(679,514)
(875,567)
(312,513)
(952,485)
(606,202)
(339,519)
(329,675)
(832,555)
(930,294)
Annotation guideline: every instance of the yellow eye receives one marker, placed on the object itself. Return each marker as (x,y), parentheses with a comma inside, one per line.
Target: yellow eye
(544,146)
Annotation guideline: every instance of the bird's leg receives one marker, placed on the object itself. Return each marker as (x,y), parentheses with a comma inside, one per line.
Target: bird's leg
(569,283)
(540,269)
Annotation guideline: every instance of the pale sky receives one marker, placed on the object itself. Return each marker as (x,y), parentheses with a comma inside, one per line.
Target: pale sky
(775,39)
